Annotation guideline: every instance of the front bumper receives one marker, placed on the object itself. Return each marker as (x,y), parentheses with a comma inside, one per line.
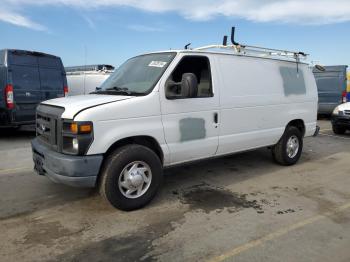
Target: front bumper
(341,120)
(77,171)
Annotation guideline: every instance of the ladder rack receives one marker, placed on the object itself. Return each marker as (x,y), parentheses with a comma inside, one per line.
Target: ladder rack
(241,49)
(257,51)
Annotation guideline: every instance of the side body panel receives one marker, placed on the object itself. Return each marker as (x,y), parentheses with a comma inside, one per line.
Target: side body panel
(259,97)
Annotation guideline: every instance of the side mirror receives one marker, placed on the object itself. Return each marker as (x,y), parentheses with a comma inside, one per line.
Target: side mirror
(187,88)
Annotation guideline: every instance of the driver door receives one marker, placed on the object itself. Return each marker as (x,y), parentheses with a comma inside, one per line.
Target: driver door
(191,124)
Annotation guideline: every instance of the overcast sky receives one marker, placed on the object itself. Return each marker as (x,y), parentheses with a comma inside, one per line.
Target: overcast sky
(110,31)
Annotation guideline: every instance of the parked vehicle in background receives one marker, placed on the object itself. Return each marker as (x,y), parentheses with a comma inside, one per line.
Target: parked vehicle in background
(85,79)
(26,79)
(341,118)
(348,88)
(331,86)
(167,108)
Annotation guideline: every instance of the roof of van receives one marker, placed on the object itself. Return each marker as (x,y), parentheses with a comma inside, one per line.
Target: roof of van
(83,68)
(194,51)
(19,51)
(333,68)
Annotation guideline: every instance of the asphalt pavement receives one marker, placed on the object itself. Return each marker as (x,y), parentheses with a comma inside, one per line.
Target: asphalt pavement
(242,207)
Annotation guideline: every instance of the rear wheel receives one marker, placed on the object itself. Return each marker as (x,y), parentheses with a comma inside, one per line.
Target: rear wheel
(338,130)
(288,149)
(131,177)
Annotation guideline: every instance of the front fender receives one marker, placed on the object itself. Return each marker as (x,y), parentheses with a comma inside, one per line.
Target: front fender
(107,133)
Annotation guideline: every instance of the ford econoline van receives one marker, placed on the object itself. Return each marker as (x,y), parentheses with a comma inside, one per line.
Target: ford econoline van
(26,79)
(166,108)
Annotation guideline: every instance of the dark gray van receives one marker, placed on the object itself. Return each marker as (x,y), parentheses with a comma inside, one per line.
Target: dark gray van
(26,79)
(331,85)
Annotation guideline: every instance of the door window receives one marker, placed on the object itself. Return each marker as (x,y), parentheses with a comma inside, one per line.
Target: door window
(200,67)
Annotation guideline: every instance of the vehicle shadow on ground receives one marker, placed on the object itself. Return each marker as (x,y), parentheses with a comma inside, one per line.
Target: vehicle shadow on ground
(16,133)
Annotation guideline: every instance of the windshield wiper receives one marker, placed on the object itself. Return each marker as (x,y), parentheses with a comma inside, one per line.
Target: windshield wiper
(117,90)
(114,89)
(122,90)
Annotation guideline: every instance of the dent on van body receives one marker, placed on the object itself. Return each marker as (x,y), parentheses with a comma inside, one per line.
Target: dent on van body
(293,81)
(192,129)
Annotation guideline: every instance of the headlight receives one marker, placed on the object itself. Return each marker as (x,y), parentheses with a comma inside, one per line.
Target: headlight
(76,137)
(336,111)
(75,144)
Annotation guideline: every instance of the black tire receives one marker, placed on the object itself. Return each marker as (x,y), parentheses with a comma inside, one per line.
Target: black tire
(338,130)
(112,170)
(279,151)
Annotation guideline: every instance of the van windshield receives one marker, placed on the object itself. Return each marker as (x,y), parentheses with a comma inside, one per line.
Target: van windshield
(137,76)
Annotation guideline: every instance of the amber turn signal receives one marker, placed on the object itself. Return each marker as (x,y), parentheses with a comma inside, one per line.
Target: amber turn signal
(85,128)
(74,128)
(81,129)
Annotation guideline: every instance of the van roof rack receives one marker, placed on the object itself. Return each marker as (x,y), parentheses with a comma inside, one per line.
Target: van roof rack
(242,49)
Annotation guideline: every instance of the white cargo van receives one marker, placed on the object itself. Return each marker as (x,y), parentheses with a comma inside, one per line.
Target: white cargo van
(166,108)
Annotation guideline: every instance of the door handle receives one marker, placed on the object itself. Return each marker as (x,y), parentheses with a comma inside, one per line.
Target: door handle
(216,118)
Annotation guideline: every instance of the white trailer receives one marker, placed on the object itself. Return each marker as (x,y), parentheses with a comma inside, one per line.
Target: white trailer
(83,80)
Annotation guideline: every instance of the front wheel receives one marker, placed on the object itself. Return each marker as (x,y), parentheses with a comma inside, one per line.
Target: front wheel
(338,130)
(288,149)
(131,177)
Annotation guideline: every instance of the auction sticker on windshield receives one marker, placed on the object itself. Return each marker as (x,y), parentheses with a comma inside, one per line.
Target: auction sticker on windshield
(157,63)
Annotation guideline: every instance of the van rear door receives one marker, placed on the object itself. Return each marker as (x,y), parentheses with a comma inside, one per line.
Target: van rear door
(52,77)
(23,74)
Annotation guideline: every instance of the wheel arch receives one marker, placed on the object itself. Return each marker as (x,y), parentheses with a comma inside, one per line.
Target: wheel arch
(298,123)
(147,141)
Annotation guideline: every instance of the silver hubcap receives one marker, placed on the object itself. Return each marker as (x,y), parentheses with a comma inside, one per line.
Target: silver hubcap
(292,146)
(135,179)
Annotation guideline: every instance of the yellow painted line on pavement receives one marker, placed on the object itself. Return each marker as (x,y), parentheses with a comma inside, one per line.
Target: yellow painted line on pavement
(12,170)
(283,231)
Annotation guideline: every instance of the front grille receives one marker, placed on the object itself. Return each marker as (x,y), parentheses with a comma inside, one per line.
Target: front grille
(347,112)
(48,127)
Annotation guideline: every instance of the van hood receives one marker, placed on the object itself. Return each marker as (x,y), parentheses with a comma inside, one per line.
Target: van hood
(75,104)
